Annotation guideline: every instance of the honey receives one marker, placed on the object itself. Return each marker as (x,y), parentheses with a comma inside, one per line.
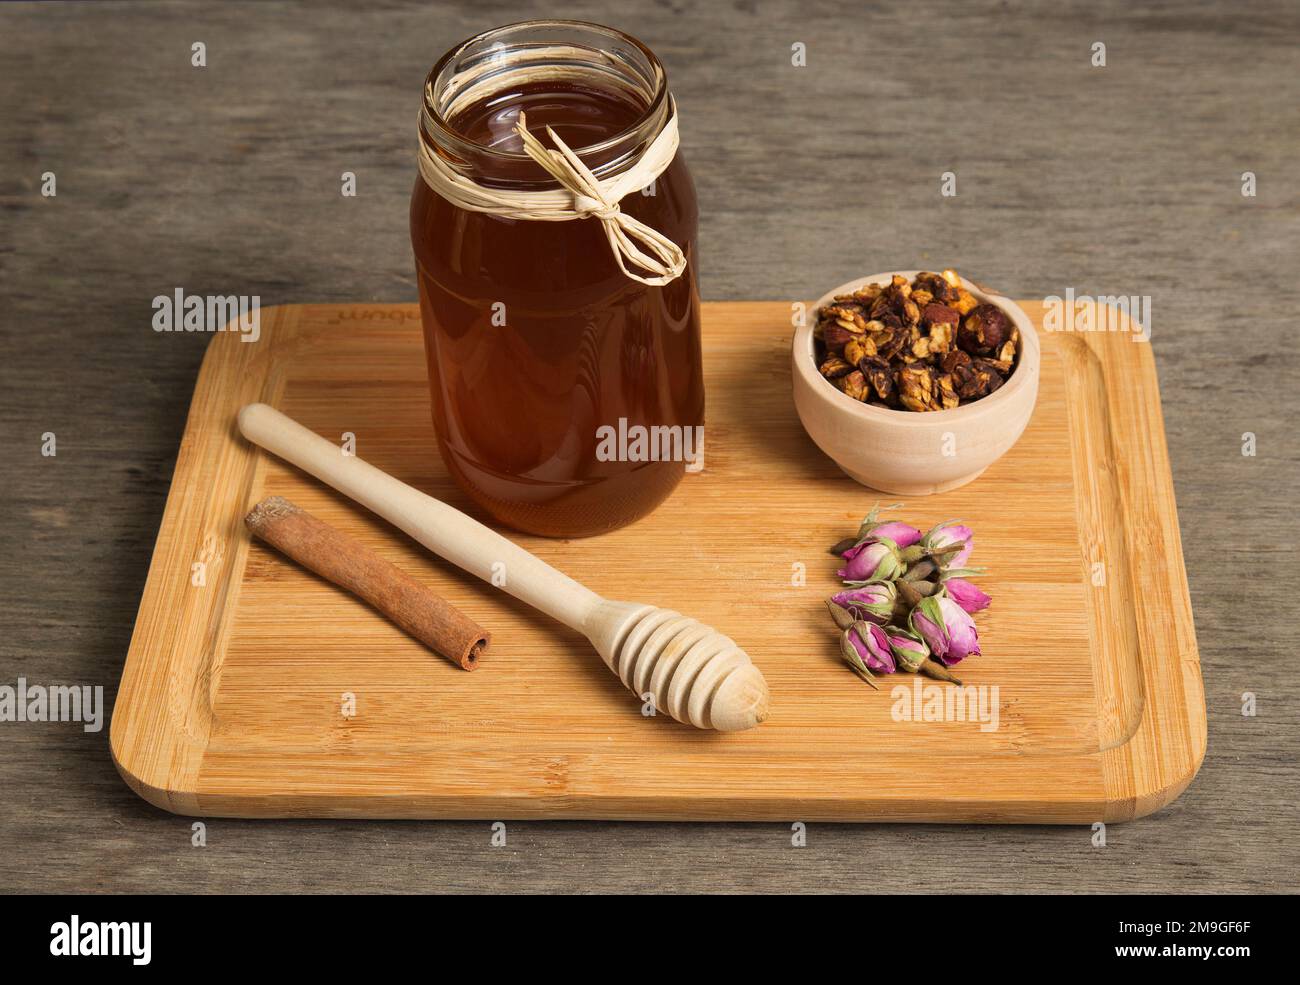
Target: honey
(536,342)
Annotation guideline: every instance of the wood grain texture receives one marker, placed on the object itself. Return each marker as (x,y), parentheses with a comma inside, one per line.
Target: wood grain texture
(687,670)
(1122,180)
(341,560)
(232,697)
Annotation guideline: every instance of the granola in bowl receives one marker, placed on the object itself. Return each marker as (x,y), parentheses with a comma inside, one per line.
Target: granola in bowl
(926,344)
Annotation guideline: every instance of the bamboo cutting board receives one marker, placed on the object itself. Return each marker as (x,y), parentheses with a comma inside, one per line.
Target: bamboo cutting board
(242,665)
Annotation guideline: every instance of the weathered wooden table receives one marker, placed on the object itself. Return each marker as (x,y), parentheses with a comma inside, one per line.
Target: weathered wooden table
(1121,179)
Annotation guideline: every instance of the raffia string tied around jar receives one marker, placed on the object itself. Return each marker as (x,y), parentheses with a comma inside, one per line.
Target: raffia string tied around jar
(581,195)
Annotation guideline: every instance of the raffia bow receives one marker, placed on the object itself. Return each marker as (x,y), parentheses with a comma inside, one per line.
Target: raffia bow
(581,195)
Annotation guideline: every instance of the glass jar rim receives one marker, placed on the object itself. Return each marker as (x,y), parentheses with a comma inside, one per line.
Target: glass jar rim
(445,135)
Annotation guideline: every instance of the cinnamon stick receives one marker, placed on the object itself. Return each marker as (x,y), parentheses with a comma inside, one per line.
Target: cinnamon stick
(349,564)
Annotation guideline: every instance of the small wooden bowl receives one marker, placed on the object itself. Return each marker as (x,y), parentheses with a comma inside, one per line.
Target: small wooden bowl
(908,452)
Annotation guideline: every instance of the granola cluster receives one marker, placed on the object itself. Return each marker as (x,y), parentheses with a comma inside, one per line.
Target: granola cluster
(927,345)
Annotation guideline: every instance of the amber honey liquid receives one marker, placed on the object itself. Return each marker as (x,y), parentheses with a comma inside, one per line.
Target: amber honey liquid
(536,340)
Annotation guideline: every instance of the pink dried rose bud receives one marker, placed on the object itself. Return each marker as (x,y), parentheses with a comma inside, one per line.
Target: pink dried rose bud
(912,655)
(947,628)
(865,648)
(909,649)
(871,561)
(872,603)
(902,534)
(967,595)
(944,537)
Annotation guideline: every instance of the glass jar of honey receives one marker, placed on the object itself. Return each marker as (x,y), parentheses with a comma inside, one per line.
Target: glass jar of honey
(567,396)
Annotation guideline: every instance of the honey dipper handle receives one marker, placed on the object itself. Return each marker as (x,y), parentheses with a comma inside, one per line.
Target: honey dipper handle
(443,529)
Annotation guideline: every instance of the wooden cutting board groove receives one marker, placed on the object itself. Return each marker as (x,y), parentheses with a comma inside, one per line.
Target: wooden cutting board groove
(232,693)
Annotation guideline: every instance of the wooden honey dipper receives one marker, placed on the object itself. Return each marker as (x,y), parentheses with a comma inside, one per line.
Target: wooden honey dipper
(693,672)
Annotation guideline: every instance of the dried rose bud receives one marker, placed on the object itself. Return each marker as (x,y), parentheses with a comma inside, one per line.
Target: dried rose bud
(865,647)
(870,603)
(841,546)
(912,656)
(942,538)
(920,568)
(870,561)
(985,330)
(965,594)
(842,616)
(909,649)
(908,596)
(849,654)
(947,628)
(902,534)
(873,528)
